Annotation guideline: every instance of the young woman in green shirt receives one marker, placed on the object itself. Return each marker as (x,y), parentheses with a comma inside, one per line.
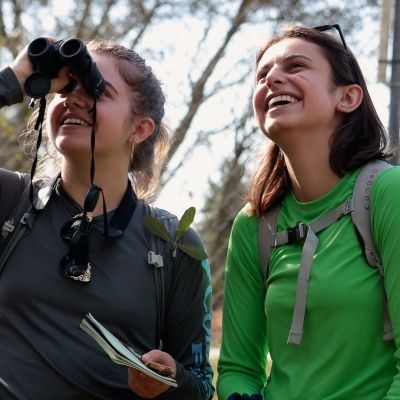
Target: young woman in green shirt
(311,101)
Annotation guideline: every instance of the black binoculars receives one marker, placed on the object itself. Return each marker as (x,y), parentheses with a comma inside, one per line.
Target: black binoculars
(49,57)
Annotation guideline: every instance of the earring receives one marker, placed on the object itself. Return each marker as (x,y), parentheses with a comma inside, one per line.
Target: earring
(131,154)
(136,140)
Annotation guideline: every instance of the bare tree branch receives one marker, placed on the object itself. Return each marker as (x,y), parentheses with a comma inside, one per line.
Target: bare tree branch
(103,19)
(148,15)
(80,29)
(198,88)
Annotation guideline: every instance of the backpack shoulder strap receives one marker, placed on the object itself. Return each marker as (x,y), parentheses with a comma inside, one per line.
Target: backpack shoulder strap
(362,221)
(11,190)
(361,214)
(21,217)
(267,226)
(160,253)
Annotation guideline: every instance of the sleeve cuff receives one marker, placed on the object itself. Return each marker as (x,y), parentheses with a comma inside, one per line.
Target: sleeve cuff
(237,396)
(10,92)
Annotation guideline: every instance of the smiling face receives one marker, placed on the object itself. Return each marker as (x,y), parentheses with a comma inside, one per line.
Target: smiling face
(70,119)
(294,91)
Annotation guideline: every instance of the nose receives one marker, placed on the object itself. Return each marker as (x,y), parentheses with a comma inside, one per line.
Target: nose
(275,76)
(77,96)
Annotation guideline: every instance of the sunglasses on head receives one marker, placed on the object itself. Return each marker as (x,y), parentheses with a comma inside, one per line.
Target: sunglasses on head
(338,28)
(323,28)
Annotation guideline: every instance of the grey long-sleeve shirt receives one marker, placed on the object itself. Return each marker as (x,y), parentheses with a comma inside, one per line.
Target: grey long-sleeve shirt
(43,352)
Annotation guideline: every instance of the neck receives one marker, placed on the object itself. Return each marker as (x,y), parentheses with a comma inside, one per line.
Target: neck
(75,180)
(310,172)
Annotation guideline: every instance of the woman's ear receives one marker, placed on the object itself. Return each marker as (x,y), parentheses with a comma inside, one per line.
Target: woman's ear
(350,98)
(143,128)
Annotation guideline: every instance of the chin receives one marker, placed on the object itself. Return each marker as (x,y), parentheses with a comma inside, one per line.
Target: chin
(273,131)
(66,146)
(276,126)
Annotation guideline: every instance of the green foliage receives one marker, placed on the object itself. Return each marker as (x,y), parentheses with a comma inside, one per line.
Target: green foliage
(158,229)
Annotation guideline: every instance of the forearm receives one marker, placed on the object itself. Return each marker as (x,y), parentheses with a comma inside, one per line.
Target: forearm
(242,362)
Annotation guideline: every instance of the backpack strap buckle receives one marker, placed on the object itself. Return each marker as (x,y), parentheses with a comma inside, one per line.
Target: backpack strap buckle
(289,236)
(298,233)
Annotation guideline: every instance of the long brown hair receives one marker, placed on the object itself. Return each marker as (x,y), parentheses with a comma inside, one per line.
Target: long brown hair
(359,138)
(148,99)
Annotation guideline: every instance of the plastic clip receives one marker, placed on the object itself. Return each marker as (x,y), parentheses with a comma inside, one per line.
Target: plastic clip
(155,259)
(8,227)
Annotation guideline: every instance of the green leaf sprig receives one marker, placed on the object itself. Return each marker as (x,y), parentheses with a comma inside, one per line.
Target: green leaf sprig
(158,229)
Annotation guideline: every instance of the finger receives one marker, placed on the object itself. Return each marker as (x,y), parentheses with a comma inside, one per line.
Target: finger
(160,357)
(160,368)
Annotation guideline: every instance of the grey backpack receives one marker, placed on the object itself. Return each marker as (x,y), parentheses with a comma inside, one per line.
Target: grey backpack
(358,208)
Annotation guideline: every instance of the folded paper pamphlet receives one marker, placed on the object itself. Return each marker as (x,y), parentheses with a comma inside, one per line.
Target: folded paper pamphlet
(120,352)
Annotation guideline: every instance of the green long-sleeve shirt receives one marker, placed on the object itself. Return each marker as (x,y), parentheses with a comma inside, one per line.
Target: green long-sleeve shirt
(342,355)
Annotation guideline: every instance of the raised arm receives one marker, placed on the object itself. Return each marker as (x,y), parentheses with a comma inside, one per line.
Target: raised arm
(13,77)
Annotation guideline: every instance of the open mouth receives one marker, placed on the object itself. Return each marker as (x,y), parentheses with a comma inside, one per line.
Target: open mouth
(281,101)
(74,122)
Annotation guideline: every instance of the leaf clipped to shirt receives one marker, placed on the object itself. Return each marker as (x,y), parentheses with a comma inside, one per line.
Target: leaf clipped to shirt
(158,229)
(185,222)
(196,252)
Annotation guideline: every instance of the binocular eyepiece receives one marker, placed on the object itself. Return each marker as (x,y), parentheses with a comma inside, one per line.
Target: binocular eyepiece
(49,57)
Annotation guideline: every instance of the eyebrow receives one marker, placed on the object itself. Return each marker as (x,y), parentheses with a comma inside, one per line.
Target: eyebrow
(112,87)
(290,57)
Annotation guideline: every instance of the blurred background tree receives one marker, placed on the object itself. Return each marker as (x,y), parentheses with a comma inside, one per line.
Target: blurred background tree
(204,53)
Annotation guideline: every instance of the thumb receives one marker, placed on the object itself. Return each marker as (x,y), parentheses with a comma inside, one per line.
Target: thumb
(62,80)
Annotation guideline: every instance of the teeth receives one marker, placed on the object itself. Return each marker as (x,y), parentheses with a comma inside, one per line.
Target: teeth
(285,98)
(75,121)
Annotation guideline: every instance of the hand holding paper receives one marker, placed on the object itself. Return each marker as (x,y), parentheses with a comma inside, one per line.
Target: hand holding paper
(124,354)
(143,385)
